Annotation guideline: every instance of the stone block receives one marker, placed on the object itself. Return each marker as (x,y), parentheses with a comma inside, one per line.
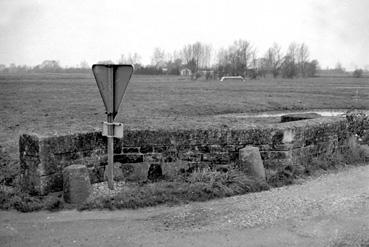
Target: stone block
(206,157)
(220,158)
(76,184)
(52,163)
(276,164)
(160,148)
(203,148)
(117,172)
(131,149)
(29,145)
(170,154)
(29,162)
(276,155)
(192,156)
(50,183)
(153,157)
(134,172)
(155,172)
(172,169)
(281,147)
(96,174)
(129,158)
(250,162)
(215,148)
(41,185)
(288,136)
(146,149)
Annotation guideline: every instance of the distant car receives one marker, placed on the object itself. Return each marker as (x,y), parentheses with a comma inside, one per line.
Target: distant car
(232,78)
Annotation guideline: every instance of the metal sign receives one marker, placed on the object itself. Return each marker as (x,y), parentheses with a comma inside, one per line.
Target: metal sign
(117,132)
(112,80)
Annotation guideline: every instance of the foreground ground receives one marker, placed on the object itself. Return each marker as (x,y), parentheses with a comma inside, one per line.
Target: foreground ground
(332,210)
(65,103)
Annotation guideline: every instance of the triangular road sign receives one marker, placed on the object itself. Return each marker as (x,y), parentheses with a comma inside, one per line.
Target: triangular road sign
(112,80)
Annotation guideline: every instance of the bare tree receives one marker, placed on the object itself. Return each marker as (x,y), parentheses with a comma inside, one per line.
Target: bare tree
(206,55)
(84,65)
(222,58)
(339,67)
(302,58)
(237,59)
(46,65)
(292,51)
(273,59)
(158,57)
(134,58)
(196,56)
(105,62)
(243,53)
(187,53)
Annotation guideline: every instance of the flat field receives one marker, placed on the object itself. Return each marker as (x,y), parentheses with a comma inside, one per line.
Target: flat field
(66,103)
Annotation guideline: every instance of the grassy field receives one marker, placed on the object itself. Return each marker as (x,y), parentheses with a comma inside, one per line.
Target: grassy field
(66,103)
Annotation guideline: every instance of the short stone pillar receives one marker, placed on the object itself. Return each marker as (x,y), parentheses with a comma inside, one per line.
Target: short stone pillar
(251,163)
(76,184)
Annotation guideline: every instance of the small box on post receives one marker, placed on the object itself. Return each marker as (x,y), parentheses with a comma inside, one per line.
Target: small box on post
(117,129)
(112,81)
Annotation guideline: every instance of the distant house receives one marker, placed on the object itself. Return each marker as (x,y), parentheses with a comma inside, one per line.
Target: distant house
(185,72)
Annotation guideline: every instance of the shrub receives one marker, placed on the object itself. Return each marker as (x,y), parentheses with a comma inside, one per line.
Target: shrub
(357,73)
(20,201)
(24,202)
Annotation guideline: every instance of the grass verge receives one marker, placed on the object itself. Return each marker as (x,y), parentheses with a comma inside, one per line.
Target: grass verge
(201,185)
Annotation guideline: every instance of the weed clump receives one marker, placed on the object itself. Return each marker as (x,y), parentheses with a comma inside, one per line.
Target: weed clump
(24,202)
(9,169)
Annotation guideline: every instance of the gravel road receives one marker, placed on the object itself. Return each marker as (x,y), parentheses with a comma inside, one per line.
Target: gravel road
(319,212)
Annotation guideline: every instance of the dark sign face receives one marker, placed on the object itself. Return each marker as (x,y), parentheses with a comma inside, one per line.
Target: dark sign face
(112,80)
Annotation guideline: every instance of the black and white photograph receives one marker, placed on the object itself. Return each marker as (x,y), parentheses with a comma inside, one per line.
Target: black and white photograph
(184,123)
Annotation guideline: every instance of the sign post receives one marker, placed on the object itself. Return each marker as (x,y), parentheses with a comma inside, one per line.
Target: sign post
(112,81)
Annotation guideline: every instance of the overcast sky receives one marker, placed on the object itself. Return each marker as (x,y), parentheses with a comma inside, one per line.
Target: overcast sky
(74,30)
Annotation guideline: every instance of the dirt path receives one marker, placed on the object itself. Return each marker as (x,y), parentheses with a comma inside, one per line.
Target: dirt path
(320,212)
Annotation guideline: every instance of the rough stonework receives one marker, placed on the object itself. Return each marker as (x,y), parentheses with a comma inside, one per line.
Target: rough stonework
(250,161)
(76,184)
(299,116)
(282,146)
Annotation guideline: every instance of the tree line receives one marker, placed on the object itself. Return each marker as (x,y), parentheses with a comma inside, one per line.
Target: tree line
(239,58)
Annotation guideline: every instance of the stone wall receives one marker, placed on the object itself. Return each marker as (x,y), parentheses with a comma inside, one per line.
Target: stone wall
(143,154)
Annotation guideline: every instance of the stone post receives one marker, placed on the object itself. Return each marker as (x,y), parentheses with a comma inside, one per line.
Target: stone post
(250,162)
(76,184)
